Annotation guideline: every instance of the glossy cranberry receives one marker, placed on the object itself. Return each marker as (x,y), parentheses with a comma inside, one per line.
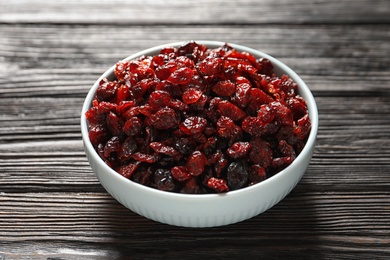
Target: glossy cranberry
(196,120)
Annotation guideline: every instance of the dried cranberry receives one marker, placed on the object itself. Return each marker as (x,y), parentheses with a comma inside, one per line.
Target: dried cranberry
(224,88)
(229,110)
(260,152)
(164,149)
(181,76)
(193,125)
(219,185)
(112,146)
(106,90)
(133,126)
(128,147)
(237,175)
(238,150)
(209,120)
(196,163)
(97,134)
(256,174)
(127,170)
(191,96)
(163,180)
(164,119)
(180,173)
(159,99)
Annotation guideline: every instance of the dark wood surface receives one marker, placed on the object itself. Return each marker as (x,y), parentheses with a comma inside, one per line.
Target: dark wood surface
(53,207)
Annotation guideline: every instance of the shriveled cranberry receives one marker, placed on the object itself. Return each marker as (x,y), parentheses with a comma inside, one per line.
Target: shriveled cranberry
(227,129)
(257,174)
(196,163)
(180,173)
(191,186)
(127,170)
(185,145)
(112,146)
(211,66)
(181,76)
(95,116)
(237,175)
(143,176)
(106,90)
(238,150)
(164,119)
(159,99)
(191,96)
(148,158)
(227,109)
(260,152)
(159,147)
(163,180)
(128,147)
(193,125)
(242,96)
(303,127)
(121,70)
(221,164)
(224,88)
(133,126)
(219,185)
(209,120)
(97,134)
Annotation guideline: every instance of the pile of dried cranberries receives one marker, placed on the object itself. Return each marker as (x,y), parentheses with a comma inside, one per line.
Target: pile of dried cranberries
(198,120)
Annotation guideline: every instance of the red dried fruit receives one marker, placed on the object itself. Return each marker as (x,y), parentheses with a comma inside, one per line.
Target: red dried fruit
(256,174)
(227,129)
(211,66)
(219,185)
(94,116)
(237,175)
(191,187)
(193,125)
(114,124)
(181,76)
(191,96)
(164,119)
(121,70)
(163,180)
(127,170)
(224,88)
(303,127)
(106,90)
(207,120)
(238,150)
(128,147)
(112,146)
(180,173)
(133,126)
(97,134)
(196,163)
(227,109)
(260,152)
(147,158)
(164,149)
(159,99)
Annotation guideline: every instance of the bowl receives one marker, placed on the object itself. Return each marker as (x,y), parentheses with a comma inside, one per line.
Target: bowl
(203,210)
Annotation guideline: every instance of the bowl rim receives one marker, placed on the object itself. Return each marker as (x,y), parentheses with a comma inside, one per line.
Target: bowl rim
(302,88)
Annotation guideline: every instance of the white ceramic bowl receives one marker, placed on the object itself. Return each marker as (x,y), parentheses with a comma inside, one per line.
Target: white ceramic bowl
(203,210)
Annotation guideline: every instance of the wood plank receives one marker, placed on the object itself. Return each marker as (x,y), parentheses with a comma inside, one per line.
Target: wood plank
(341,222)
(194,12)
(63,60)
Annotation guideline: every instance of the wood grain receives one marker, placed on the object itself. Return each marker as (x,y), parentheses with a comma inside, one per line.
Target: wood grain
(52,205)
(195,12)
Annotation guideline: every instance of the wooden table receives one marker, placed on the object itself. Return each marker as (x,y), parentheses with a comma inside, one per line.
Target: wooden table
(51,52)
